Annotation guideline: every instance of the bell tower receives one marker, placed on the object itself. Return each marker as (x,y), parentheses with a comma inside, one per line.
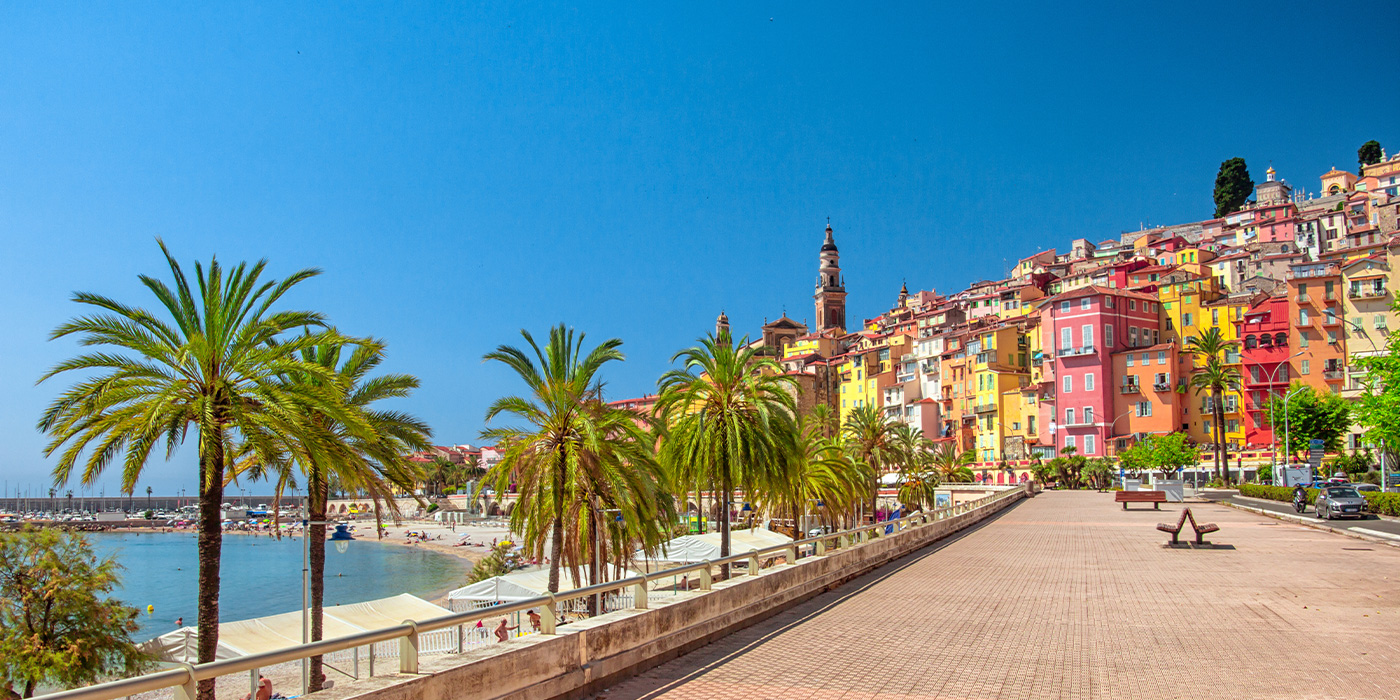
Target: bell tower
(831,288)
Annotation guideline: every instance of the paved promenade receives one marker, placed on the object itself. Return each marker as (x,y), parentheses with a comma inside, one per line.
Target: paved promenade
(1068,596)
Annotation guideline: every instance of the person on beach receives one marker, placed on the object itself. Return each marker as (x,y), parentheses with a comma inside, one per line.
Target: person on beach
(534,620)
(179,622)
(264,690)
(503,632)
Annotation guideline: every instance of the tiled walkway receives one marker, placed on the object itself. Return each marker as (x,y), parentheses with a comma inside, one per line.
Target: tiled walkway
(1068,596)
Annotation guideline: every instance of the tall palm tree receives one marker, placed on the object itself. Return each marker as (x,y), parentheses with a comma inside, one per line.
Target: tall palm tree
(730,416)
(820,475)
(950,463)
(565,436)
(869,436)
(212,368)
(911,453)
(361,448)
(1217,378)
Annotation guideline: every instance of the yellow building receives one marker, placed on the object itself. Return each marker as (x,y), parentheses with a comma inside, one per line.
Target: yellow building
(1000,367)
(1191,304)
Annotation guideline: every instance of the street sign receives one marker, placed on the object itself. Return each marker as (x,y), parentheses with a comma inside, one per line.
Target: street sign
(1315,448)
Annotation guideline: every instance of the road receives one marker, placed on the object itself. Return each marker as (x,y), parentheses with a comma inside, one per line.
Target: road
(1385,528)
(1067,595)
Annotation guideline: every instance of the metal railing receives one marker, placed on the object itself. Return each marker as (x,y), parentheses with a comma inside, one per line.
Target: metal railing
(413,635)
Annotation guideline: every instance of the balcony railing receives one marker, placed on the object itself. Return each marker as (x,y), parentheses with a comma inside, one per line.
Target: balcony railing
(985,408)
(1366,293)
(1133,388)
(1073,352)
(1304,299)
(1333,374)
(1161,386)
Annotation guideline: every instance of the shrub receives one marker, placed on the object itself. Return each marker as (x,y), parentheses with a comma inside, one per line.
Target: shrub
(1382,503)
(1378,503)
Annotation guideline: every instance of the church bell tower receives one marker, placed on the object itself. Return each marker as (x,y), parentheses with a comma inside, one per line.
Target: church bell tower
(831,289)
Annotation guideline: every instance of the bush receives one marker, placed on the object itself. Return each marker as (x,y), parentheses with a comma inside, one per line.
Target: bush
(1378,503)
(1383,503)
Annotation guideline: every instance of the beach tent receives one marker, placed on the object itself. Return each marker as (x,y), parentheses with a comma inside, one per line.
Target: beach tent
(693,548)
(889,479)
(515,586)
(244,637)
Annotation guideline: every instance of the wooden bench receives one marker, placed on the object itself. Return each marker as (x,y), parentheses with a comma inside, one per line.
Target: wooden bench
(1180,523)
(1156,498)
(1201,529)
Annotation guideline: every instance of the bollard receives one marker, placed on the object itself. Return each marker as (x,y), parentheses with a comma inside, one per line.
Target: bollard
(408,649)
(706,578)
(550,618)
(639,596)
(753,564)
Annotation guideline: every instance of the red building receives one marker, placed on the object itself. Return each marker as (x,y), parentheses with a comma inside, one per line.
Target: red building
(1263,334)
(1086,326)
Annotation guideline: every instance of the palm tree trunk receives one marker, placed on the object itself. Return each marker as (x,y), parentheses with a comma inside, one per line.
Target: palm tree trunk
(317,491)
(726,487)
(1220,459)
(211,498)
(593,561)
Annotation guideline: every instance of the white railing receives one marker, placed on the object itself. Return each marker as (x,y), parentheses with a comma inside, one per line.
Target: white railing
(457,632)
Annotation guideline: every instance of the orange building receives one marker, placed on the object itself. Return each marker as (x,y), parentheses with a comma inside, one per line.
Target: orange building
(1315,312)
(1147,402)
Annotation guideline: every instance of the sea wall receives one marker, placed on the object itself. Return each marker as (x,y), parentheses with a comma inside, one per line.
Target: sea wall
(587,656)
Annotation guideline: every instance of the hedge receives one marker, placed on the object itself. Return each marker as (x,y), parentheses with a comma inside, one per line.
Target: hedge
(1376,502)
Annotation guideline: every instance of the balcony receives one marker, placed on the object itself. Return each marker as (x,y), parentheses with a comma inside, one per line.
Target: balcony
(1333,374)
(1161,386)
(1075,352)
(1331,320)
(1133,388)
(1366,293)
(1304,299)
(982,408)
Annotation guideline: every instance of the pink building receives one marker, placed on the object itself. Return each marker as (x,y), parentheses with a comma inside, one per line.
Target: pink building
(1084,327)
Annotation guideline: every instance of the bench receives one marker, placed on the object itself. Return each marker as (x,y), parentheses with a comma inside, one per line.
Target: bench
(1175,531)
(1201,529)
(1156,498)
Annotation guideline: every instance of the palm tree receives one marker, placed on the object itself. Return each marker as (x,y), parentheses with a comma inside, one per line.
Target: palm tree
(950,463)
(730,416)
(357,446)
(1217,378)
(910,451)
(566,437)
(820,474)
(213,368)
(869,437)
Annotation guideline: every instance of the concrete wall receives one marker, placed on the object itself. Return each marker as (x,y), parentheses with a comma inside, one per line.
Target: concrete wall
(588,656)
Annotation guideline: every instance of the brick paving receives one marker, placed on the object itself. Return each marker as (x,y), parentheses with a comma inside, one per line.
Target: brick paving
(1068,596)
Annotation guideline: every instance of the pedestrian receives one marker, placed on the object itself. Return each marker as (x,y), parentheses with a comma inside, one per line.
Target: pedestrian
(534,619)
(503,632)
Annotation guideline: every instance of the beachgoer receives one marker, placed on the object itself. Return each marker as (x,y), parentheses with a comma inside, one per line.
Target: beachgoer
(264,690)
(503,632)
(180,622)
(534,620)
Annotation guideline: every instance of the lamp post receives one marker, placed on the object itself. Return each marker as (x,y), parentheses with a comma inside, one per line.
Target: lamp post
(1369,389)
(1122,478)
(1273,442)
(341,537)
(1286,442)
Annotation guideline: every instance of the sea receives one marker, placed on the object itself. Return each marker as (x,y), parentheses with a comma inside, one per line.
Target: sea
(262,575)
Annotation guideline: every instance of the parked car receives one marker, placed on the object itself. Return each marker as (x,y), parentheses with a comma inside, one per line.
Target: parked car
(1368,487)
(1340,501)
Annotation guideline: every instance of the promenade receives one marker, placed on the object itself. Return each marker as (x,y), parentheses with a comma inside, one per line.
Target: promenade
(1068,596)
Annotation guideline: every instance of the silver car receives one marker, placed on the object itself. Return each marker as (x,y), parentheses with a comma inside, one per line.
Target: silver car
(1340,501)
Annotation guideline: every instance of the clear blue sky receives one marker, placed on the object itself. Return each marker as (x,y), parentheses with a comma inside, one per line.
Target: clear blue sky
(630,170)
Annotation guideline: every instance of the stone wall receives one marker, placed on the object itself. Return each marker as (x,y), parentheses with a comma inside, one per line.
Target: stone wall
(587,656)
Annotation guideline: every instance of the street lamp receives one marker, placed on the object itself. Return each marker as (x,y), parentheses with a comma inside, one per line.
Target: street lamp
(342,538)
(1273,443)
(1287,444)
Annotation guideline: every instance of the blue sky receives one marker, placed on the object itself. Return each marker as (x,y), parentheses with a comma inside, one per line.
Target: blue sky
(631,170)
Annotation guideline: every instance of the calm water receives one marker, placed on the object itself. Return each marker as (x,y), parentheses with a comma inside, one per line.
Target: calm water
(262,576)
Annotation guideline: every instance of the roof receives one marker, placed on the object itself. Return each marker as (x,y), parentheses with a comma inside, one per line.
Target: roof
(1095,289)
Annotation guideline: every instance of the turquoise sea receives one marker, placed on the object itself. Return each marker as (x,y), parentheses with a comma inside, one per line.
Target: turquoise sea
(262,576)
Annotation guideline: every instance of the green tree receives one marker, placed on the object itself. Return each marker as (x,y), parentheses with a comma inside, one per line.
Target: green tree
(950,464)
(1068,467)
(730,415)
(869,437)
(1167,454)
(1369,153)
(1217,378)
(356,446)
(501,561)
(215,368)
(821,479)
(1232,187)
(59,624)
(564,434)
(1098,473)
(1377,410)
(1310,416)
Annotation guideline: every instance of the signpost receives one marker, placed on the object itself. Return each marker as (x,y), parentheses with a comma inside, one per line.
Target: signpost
(1315,448)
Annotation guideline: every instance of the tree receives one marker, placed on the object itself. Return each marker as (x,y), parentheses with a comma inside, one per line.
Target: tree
(1369,153)
(357,446)
(214,368)
(869,437)
(730,415)
(1168,454)
(1068,467)
(1098,473)
(501,561)
(951,464)
(58,623)
(819,476)
(1310,415)
(1217,378)
(1377,410)
(1232,187)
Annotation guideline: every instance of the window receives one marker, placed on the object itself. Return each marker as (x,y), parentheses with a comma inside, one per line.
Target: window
(1067,384)
(1130,360)
(1086,336)
(1088,415)
(1066,338)
(1064,306)
(1069,416)
(1302,339)
(1186,319)
(1132,304)
(1089,381)
(1215,317)
(1144,409)
(1084,304)
(1144,359)
(1305,367)
(1232,426)
(1206,424)
(1379,322)
(1154,336)
(1069,441)
(1108,302)
(1132,337)
(1332,337)
(1089,444)
(1302,317)
(1161,357)
(1108,336)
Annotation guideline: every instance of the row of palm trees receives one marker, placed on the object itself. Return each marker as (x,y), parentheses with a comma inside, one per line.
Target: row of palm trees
(598,483)
(266,393)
